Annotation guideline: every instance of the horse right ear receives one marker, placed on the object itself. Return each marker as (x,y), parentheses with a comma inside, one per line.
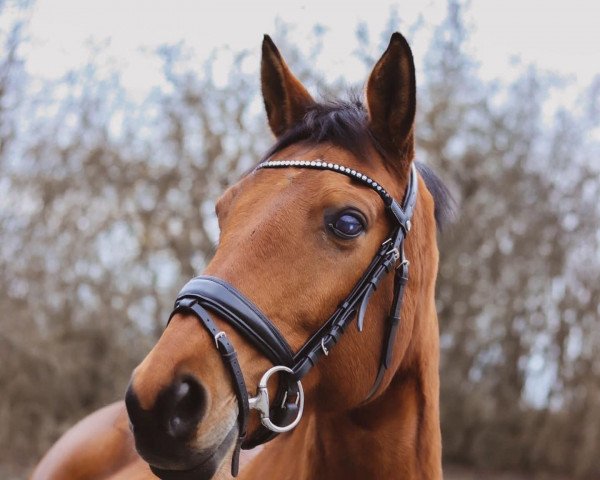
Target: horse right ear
(391,100)
(286,99)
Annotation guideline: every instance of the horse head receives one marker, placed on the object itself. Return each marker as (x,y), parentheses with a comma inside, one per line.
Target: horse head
(296,238)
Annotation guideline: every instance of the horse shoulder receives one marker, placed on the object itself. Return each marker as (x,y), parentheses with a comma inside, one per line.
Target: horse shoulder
(98,447)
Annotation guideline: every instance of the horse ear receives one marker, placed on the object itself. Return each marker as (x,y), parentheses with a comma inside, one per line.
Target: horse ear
(391,99)
(286,99)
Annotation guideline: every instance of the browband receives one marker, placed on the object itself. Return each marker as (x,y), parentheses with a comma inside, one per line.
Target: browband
(207,293)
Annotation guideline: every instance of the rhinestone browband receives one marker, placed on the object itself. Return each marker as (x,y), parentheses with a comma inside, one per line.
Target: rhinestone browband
(320,165)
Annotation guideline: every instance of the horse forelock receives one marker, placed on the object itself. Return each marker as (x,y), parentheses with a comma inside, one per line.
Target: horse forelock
(345,124)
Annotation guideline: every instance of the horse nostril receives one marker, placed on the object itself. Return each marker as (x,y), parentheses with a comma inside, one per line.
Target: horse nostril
(175,415)
(185,403)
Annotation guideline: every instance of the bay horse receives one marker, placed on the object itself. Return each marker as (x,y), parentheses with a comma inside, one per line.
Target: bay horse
(327,222)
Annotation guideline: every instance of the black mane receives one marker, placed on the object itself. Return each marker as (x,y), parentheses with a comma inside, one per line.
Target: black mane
(444,203)
(345,124)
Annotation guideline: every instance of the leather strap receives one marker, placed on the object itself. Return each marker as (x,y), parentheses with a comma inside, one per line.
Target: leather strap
(190,305)
(327,336)
(393,325)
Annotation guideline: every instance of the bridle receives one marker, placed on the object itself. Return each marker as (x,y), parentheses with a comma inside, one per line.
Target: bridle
(206,293)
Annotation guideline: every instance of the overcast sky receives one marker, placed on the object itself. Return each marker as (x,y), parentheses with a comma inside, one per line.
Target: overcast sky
(557,35)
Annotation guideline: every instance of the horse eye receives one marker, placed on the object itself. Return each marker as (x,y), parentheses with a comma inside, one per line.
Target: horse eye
(347,225)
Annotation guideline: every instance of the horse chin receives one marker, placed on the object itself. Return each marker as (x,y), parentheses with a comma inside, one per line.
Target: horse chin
(206,463)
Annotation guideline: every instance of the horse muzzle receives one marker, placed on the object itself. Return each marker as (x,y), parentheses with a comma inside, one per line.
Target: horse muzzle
(165,435)
(207,462)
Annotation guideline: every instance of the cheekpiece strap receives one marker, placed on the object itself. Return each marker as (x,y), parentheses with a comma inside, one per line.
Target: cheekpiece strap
(227,351)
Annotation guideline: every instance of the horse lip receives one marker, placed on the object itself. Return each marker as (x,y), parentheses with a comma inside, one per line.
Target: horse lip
(182,470)
(192,473)
(204,469)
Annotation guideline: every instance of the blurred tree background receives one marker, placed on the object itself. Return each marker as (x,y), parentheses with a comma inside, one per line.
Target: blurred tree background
(106,209)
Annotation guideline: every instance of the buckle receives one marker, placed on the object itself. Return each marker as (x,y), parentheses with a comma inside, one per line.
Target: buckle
(323,347)
(217,336)
(395,254)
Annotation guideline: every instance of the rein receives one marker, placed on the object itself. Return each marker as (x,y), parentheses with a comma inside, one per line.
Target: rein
(206,293)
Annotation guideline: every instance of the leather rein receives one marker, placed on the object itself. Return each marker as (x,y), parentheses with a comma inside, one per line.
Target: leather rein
(205,293)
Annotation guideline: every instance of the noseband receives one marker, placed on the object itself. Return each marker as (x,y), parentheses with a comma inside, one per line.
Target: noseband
(205,293)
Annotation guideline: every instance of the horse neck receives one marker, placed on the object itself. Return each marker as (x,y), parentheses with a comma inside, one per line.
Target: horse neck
(397,436)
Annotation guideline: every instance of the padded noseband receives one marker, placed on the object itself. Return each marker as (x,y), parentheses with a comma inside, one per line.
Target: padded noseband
(223,299)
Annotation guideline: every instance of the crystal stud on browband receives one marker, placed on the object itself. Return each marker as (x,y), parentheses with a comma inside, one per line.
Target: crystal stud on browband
(322,165)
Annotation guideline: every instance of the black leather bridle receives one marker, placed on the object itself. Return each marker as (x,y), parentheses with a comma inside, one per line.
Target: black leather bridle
(204,293)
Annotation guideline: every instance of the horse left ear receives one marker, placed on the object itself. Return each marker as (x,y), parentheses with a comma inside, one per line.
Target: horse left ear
(391,100)
(286,99)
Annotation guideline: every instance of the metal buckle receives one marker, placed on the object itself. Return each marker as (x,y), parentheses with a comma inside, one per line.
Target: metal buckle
(323,347)
(385,244)
(217,336)
(261,401)
(395,253)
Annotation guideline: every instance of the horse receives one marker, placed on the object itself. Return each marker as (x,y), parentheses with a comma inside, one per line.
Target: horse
(309,297)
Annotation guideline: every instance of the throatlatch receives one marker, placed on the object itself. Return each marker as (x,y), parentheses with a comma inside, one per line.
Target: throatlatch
(205,293)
